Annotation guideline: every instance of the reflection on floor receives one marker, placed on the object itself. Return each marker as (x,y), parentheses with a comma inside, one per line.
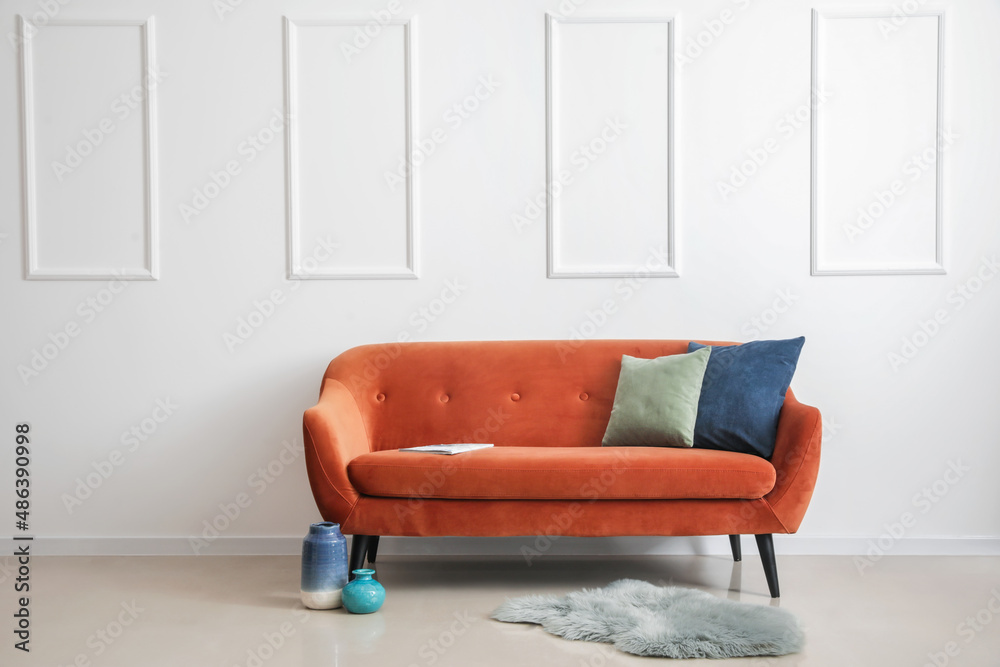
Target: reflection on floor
(244,610)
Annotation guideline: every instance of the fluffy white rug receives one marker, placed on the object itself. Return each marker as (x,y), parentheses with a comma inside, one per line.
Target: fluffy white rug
(669,622)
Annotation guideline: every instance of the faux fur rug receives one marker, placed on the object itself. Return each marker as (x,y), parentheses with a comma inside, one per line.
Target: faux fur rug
(669,622)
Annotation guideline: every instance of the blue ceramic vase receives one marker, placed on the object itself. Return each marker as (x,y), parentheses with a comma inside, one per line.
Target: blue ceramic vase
(324,566)
(363,595)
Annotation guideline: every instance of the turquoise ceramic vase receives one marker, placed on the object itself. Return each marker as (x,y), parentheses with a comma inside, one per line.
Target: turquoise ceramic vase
(363,595)
(324,566)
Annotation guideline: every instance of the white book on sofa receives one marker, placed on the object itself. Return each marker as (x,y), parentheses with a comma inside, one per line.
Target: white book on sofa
(457,448)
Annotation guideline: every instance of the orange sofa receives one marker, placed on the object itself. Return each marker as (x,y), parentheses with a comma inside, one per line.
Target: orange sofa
(545,406)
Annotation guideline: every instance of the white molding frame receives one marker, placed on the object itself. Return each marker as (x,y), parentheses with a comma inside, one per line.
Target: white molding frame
(410,271)
(151,270)
(509,547)
(598,271)
(938,267)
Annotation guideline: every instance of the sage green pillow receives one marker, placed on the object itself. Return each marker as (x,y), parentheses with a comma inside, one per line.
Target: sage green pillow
(656,403)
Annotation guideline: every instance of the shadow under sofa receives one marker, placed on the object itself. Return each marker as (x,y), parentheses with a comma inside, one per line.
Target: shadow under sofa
(545,406)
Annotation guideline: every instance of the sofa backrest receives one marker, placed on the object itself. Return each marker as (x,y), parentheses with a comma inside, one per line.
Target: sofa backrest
(510,393)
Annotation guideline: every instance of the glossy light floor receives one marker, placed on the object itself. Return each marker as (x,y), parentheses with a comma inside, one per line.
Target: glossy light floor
(226,611)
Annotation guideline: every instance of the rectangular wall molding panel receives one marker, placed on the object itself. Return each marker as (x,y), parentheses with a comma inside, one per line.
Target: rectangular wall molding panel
(878,144)
(350,182)
(89,159)
(609,147)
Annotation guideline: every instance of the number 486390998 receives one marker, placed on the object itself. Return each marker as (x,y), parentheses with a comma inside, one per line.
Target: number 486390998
(22,483)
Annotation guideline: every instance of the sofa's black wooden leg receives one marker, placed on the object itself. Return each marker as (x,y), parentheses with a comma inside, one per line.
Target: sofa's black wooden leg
(359,549)
(372,549)
(766,547)
(734,542)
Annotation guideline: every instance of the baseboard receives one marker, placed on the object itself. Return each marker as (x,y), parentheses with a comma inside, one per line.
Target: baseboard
(165,546)
(785,545)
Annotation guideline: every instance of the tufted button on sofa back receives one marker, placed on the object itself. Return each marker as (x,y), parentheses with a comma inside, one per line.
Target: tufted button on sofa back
(523,393)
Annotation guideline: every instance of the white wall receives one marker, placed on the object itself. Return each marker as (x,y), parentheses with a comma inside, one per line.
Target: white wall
(740,254)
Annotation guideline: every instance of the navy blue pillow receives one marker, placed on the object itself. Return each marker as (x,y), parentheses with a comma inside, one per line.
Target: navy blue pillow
(742,394)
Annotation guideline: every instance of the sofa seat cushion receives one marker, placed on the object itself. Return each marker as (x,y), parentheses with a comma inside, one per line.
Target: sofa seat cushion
(563,473)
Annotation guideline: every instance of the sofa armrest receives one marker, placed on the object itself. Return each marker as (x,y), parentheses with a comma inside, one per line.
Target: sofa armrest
(334,433)
(796,461)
